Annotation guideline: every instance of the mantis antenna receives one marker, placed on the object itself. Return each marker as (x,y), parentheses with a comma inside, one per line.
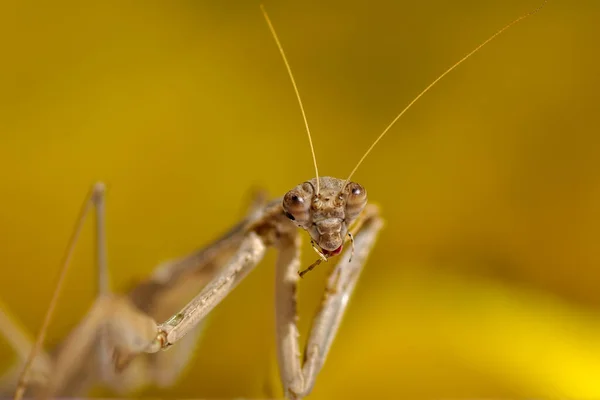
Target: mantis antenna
(522,17)
(289,70)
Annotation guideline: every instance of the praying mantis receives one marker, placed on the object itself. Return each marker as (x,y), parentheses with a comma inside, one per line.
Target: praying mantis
(119,338)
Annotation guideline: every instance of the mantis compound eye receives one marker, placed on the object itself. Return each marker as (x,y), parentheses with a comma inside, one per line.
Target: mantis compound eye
(296,206)
(356,200)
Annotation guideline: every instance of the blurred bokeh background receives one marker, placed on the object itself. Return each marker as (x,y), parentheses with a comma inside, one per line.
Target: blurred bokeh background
(486,278)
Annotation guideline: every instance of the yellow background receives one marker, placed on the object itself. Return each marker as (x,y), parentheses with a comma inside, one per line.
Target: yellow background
(485,280)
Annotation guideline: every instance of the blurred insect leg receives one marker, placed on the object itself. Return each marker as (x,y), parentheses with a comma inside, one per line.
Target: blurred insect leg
(127,320)
(257,200)
(10,377)
(104,348)
(37,347)
(218,252)
(101,262)
(18,338)
(185,278)
(126,330)
(298,382)
(179,279)
(166,367)
(105,365)
(249,254)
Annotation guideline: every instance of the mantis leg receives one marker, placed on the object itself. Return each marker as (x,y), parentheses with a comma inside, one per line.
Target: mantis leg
(299,378)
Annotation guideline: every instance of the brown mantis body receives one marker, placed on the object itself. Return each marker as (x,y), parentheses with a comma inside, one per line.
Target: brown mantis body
(118,337)
(118,330)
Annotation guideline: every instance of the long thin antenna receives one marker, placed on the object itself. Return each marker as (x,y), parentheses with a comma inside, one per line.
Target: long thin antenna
(23,378)
(287,65)
(522,17)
